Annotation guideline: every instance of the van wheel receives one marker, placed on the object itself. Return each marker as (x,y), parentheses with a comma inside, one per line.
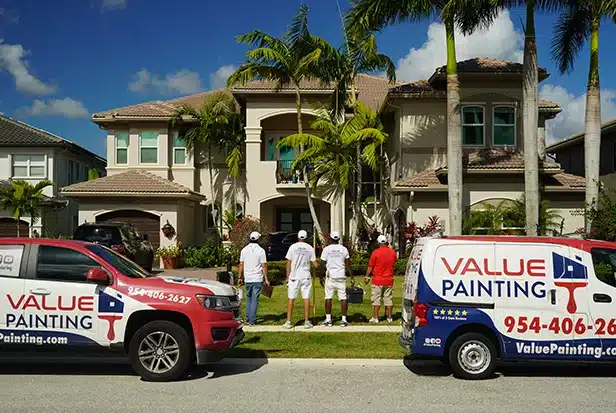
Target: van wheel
(160,351)
(472,357)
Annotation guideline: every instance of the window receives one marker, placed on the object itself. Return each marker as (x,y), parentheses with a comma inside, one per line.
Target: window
(63,264)
(504,126)
(28,166)
(472,126)
(148,147)
(371,185)
(10,257)
(71,179)
(179,149)
(604,263)
(213,217)
(120,263)
(121,148)
(239,211)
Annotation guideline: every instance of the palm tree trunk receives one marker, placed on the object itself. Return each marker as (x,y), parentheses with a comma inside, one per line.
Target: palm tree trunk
(211,172)
(592,122)
(358,183)
(17,221)
(454,135)
(300,130)
(530,122)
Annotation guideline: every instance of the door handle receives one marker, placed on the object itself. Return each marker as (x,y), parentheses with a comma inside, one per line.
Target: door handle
(601,298)
(40,291)
(553,297)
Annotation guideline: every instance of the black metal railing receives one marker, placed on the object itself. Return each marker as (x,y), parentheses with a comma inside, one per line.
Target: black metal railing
(285,174)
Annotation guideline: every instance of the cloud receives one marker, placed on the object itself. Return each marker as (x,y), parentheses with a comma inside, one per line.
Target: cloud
(182,82)
(500,41)
(218,79)
(67,107)
(112,5)
(571,120)
(9,16)
(12,59)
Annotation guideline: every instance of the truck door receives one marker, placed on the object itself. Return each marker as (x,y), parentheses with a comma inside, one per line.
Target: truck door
(13,260)
(601,298)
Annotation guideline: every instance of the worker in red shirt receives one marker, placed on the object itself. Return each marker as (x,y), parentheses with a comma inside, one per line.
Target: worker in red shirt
(381,267)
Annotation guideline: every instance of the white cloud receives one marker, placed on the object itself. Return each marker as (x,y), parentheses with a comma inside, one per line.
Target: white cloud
(218,79)
(66,107)
(500,41)
(112,5)
(12,59)
(571,120)
(182,82)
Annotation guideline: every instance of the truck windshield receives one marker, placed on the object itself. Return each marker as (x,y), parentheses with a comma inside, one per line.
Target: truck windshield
(126,267)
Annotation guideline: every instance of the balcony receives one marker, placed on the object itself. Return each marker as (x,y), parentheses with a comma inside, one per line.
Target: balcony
(286,176)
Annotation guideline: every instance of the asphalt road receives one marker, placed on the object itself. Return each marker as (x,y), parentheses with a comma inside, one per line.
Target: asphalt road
(308,388)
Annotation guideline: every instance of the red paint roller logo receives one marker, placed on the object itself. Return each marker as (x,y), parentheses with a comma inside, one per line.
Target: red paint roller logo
(571,275)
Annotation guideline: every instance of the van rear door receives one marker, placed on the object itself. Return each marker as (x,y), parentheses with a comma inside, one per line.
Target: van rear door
(411,279)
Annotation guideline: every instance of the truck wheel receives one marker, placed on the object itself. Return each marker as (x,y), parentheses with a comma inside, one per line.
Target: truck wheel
(472,357)
(160,351)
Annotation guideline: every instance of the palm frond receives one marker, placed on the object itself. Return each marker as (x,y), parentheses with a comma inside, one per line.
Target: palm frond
(299,139)
(266,55)
(570,33)
(257,38)
(233,161)
(254,71)
(297,32)
(373,15)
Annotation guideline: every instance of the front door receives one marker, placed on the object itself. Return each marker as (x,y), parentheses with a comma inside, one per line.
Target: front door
(293,219)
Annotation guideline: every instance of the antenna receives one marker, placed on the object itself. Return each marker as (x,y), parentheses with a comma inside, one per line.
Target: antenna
(346,40)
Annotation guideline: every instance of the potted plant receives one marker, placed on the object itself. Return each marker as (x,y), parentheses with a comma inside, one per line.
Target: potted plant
(170,256)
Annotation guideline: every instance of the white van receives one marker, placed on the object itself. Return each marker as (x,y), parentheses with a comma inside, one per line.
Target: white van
(470,301)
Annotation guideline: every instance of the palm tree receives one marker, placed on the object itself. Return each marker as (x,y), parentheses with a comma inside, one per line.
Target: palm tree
(373,15)
(332,153)
(285,61)
(210,127)
(579,22)
(23,198)
(549,219)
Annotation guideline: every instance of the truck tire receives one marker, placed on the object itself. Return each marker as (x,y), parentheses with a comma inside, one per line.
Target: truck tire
(472,356)
(160,351)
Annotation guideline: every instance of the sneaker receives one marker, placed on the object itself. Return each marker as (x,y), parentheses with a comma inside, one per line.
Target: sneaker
(308,324)
(287,325)
(390,320)
(344,324)
(374,321)
(327,324)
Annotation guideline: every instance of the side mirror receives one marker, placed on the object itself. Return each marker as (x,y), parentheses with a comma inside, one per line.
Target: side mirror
(145,236)
(98,276)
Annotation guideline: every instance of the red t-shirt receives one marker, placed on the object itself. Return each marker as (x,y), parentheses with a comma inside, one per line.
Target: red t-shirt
(382,262)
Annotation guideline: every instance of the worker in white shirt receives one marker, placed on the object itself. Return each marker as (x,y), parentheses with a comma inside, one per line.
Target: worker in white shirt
(337,264)
(253,271)
(299,257)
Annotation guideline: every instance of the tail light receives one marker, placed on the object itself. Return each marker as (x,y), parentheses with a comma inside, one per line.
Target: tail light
(118,248)
(420,311)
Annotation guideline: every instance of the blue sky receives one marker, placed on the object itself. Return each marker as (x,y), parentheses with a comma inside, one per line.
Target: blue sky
(62,60)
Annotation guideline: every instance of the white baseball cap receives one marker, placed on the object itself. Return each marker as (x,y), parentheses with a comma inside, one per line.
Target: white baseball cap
(382,239)
(334,235)
(254,236)
(302,234)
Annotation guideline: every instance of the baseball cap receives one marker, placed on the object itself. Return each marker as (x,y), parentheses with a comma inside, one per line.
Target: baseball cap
(334,235)
(302,234)
(254,236)
(382,239)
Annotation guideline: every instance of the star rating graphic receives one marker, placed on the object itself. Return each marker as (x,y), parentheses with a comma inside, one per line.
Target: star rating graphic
(450,312)
(435,311)
(457,312)
(443,311)
(464,312)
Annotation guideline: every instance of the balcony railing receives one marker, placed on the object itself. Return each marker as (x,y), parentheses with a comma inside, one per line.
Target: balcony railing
(286,175)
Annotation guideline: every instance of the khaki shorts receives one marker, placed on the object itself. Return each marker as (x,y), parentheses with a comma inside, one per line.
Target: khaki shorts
(379,291)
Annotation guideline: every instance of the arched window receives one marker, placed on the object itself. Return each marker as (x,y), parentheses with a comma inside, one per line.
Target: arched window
(213,216)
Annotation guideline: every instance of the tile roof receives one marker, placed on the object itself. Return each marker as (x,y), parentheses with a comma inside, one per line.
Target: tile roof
(130,181)
(578,138)
(487,65)
(489,159)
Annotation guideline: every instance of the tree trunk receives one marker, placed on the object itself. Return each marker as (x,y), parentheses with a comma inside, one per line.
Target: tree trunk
(454,135)
(18,219)
(358,183)
(592,123)
(530,123)
(214,194)
(300,130)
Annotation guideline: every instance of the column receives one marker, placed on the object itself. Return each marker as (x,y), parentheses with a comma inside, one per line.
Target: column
(541,138)
(253,160)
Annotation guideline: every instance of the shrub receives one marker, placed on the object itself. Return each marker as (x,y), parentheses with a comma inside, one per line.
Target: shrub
(400,267)
(210,254)
(238,236)
(603,217)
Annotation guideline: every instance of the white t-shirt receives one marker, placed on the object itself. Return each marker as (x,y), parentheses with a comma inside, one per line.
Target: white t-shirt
(301,255)
(253,257)
(335,255)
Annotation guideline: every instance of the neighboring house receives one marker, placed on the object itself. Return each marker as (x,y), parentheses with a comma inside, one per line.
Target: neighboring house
(32,154)
(570,154)
(153,179)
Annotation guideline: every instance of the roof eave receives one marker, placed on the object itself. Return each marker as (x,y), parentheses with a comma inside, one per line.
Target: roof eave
(406,189)
(84,194)
(578,138)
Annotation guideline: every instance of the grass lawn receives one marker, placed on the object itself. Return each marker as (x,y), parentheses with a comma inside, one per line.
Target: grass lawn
(318,345)
(274,310)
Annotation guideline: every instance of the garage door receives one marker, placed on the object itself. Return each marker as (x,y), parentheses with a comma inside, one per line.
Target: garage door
(143,221)
(8,228)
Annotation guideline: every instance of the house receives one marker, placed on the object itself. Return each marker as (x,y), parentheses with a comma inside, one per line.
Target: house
(32,154)
(569,152)
(153,180)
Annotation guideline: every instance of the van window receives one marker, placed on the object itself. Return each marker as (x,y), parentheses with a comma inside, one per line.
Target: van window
(63,264)
(604,263)
(10,260)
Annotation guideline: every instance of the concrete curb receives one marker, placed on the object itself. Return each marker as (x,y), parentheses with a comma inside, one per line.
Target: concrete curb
(322,329)
(311,362)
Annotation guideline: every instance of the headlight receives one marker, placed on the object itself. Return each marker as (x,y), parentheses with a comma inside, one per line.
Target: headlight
(214,302)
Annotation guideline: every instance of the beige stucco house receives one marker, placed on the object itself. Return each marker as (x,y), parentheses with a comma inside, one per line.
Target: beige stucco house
(153,180)
(32,154)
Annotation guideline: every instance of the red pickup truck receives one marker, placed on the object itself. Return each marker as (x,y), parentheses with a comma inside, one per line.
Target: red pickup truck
(66,294)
